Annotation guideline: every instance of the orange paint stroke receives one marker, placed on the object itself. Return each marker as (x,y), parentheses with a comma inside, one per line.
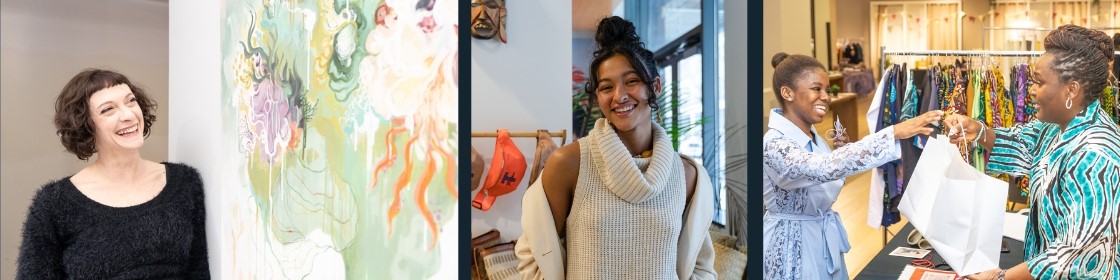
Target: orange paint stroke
(429,173)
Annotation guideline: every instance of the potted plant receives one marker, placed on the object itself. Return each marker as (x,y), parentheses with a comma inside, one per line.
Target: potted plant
(833,90)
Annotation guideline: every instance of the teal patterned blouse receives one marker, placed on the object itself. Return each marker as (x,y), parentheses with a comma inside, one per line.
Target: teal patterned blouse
(1075,193)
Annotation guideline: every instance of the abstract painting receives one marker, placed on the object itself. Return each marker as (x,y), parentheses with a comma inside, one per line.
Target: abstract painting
(340,129)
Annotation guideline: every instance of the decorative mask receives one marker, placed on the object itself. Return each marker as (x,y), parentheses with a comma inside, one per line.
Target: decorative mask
(488,19)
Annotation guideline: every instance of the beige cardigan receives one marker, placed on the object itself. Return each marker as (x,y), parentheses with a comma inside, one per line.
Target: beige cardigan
(542,257)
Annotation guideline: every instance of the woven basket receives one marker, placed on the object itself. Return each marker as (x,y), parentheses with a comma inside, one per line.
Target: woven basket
(730,263)
(486,240)
(500,262)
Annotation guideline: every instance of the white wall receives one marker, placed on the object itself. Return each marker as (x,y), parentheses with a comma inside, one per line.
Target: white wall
(43,45)
(853,21)
(524,85)
(823,14)
(195,91)
(783,18)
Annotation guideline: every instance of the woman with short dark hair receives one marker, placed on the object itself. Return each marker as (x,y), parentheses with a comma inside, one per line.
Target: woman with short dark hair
(121,217)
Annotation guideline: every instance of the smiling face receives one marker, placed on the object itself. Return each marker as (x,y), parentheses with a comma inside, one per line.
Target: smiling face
(117,119)
(808,100)
(622,96)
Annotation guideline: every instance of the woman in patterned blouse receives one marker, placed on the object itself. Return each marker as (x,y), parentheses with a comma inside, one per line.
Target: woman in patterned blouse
(1072,153)
(802,177)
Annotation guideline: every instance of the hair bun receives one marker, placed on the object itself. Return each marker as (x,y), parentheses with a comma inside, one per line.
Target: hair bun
(778,59)
(613,31)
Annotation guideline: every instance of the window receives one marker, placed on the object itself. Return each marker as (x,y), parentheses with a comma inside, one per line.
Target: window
(692,74)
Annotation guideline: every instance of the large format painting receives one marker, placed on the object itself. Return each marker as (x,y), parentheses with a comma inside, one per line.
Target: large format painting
(340,129)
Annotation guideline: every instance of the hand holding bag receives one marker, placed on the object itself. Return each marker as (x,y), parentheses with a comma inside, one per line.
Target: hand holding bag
(957,208)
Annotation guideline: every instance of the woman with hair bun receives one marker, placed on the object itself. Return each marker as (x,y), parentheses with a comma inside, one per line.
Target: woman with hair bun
(619,203)
(803,237)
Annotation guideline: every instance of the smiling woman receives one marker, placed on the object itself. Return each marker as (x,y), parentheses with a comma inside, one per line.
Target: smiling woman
(625,204)
(122,216)
(802,176)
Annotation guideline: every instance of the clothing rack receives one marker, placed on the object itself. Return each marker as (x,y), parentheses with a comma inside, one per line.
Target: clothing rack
(963,53)
(563,134)
(882,62)
(883,52)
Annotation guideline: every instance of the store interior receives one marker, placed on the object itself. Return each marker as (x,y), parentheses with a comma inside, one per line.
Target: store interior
(531,83)
(858,39)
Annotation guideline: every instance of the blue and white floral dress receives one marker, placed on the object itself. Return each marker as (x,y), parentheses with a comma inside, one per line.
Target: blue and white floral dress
(803,237)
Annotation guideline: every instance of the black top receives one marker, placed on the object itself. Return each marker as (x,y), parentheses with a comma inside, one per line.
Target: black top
(853,53)
(67,235)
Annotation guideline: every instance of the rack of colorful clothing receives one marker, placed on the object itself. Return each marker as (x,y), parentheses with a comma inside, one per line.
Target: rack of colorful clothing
(970,82)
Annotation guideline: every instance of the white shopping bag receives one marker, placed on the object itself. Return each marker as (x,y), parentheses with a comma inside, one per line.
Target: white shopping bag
(956,207)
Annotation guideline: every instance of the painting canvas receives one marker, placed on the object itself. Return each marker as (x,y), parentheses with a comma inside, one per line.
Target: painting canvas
(340,129)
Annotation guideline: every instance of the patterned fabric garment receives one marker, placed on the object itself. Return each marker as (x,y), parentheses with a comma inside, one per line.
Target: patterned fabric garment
(803,237)
(1024,112)
(1072,232)
(890,171)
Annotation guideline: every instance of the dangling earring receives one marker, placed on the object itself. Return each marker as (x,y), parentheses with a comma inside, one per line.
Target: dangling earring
(1069,103)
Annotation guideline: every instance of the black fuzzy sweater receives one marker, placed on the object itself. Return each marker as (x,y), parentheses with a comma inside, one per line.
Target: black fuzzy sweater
(67,235)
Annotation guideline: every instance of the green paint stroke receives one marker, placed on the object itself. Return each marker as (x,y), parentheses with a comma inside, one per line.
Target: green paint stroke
(294,98)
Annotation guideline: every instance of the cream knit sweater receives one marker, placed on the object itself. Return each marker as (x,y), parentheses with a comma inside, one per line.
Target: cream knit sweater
(627,212)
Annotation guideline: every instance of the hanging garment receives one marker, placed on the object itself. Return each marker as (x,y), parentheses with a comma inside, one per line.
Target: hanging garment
(912,98)
(930,100)
(853,52)
(921,87)
(545,147)
(1029,108)
(876,195)
(477,167)
(892,175)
